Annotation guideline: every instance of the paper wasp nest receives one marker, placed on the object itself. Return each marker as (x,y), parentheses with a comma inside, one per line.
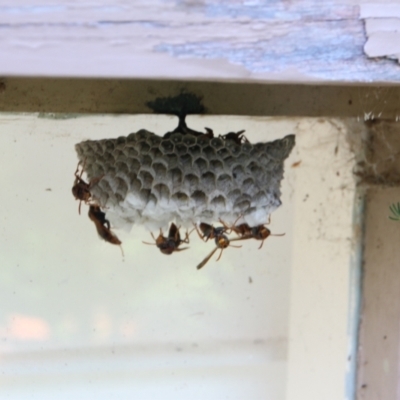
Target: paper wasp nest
(153,180)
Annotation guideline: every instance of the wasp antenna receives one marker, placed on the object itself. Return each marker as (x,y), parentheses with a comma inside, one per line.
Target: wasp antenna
(240,238)
(220,254)
(205,261)
(184,248)
(151,233)
(148,243)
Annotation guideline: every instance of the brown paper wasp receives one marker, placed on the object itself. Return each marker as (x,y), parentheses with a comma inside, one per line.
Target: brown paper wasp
(208,231)
(245,231)
(171,243)
(103,225)
(81,189)
(218,234)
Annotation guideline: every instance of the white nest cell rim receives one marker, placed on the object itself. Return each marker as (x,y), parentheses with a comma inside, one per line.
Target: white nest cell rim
(151,180)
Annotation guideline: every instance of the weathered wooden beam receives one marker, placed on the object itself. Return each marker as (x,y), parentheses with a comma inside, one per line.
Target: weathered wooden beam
(128,96)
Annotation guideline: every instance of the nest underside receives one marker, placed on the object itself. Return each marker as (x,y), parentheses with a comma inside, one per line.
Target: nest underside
(151,180)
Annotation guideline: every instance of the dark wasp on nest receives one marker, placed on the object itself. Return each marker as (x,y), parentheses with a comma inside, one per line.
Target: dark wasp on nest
(237,137)
(81,189)
(183,129)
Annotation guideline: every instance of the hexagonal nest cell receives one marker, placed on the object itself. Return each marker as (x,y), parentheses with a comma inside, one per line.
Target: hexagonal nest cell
(153,180)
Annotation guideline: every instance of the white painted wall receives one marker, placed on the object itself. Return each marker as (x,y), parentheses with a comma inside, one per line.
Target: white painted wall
(79,321)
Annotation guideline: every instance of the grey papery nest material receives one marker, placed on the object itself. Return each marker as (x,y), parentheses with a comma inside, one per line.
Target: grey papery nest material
(153,180)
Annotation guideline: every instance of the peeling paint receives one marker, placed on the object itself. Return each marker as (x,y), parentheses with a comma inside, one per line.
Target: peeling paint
(178,39)
(337,55)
